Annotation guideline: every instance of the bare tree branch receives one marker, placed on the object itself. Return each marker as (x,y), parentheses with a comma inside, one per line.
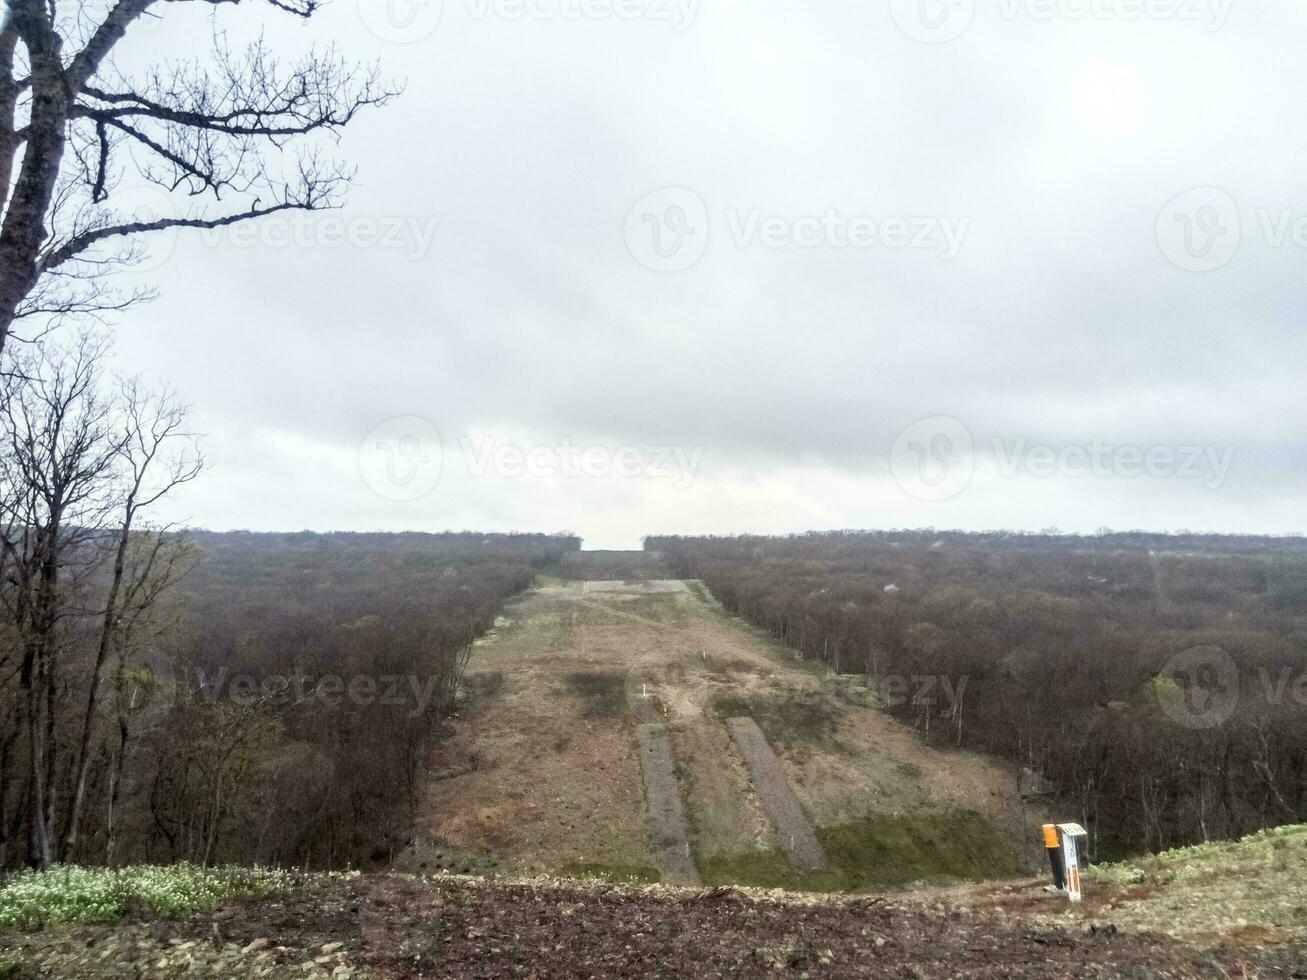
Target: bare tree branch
(213,134)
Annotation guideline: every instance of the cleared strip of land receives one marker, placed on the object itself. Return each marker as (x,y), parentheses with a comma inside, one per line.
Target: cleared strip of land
(667,828)
(546,775)
(793,829)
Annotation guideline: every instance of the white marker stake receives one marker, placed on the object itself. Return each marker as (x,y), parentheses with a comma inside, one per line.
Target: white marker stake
(1072,863)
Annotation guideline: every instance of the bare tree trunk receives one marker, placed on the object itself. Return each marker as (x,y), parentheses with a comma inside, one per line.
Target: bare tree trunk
(6,748)
(24,230)
(38,844)
(115,788)
(107,624)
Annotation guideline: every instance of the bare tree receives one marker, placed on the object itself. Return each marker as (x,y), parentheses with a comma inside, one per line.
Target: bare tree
(60,454)
(156,457)
(78,469)
(235,136)
(155,562)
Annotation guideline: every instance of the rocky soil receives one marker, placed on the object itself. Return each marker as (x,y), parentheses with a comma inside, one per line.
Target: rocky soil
(401,926)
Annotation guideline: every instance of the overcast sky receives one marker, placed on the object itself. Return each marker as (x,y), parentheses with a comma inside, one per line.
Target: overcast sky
(634,266)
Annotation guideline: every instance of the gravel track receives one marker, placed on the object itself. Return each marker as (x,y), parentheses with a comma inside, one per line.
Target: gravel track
(793,829)
(667,828)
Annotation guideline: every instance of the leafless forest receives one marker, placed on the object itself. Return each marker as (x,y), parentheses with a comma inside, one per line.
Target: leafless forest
(1062,653)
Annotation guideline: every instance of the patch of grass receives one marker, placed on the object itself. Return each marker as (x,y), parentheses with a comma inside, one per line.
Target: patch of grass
(616,874)
(603,693)
(1267,848)
(11,966)
(787,718)
(926,846)
(765,869)
(437,855)
(879,852)
(910,770)
(728,670)
(31,899)
(661,607)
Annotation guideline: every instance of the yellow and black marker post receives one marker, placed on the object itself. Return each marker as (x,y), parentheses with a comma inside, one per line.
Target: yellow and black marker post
(1054,847)
(1066,844)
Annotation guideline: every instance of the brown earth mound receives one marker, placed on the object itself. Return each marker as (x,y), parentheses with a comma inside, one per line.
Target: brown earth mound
(395,926)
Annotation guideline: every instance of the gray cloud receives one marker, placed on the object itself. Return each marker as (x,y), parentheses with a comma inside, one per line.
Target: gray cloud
(1059,321)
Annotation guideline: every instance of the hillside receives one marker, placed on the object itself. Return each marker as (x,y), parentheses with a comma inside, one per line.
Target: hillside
(545,772)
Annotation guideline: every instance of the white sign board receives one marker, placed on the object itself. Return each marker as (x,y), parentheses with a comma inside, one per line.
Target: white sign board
(1071,861)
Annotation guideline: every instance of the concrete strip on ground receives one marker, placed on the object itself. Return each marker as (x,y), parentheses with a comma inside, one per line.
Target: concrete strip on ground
(645,587)
(667,827)
(793,829)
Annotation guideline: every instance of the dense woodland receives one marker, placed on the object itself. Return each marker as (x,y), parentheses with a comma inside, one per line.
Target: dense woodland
(1057,648)
(371,633)
(286,703)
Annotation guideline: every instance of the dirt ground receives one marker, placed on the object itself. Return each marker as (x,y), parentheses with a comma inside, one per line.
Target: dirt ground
(390,926)
(571,670)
